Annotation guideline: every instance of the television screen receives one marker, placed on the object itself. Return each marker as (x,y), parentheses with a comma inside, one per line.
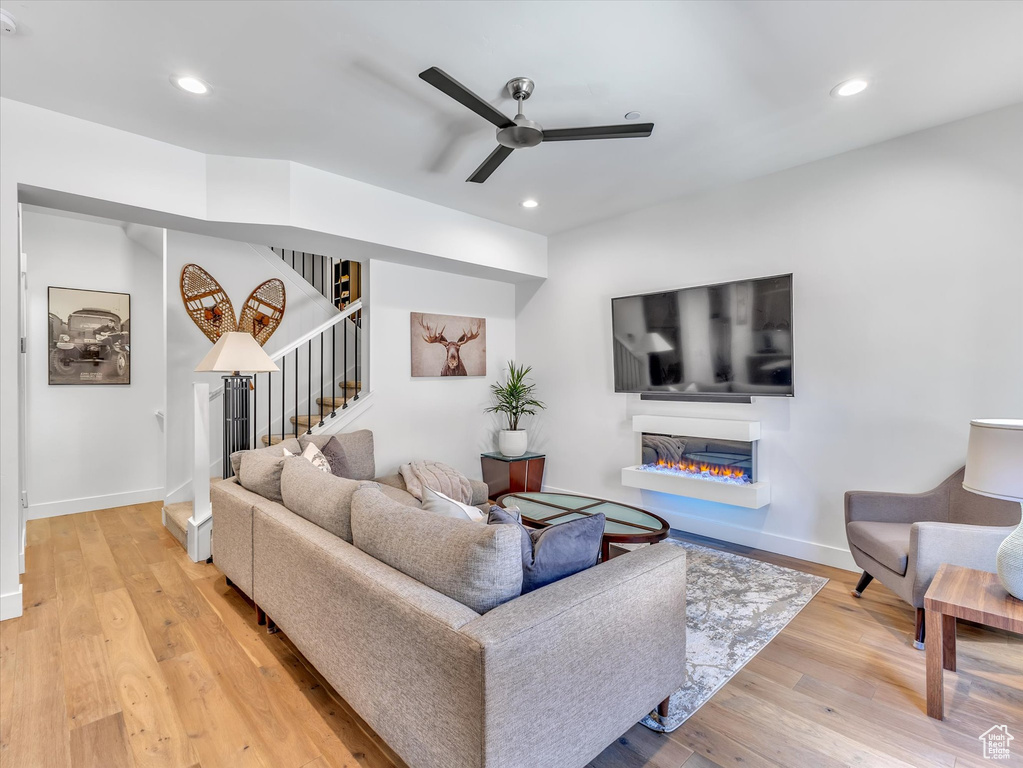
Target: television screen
(725,339)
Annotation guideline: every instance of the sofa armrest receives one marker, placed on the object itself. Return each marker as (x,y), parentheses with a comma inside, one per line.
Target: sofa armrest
(880,507)
(587,657)
(480,492)
(931,544)
(232,531)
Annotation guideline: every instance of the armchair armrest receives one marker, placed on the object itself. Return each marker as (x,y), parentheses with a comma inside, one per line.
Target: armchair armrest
(880,507)
(601,647)
(931,544)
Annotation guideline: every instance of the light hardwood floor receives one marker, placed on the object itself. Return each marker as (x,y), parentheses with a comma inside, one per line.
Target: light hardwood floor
(128,654)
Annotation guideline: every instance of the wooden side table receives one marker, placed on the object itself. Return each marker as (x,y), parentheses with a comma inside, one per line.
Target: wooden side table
(512,474)
(961,593)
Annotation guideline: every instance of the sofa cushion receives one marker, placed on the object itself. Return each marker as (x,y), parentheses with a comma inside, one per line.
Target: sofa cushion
(260,472)
(888,543)
(290,443)
(358,449)
(554,552)
(439,504)
(479,566)
(319,497)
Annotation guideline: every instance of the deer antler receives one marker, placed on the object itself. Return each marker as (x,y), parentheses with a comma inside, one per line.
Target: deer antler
(473,333)
(432,337)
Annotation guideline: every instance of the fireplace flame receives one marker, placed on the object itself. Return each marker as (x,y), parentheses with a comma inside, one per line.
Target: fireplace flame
(701,468)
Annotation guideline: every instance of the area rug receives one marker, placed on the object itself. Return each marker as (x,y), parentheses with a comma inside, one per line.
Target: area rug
(734,607)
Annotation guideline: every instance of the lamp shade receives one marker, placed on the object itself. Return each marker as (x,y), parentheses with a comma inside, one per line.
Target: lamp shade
(237,351)
(994,459)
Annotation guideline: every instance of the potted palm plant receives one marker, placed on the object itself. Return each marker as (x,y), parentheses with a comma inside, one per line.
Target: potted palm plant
(514,399)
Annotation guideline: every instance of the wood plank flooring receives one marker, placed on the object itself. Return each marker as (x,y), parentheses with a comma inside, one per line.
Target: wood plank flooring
(128,654)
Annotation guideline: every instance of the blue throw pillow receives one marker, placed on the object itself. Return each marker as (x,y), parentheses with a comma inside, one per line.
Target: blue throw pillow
(554,552)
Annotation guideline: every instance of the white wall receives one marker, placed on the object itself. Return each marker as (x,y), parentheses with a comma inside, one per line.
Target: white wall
(434,418)
(908,268)
(92,446)
(239,268)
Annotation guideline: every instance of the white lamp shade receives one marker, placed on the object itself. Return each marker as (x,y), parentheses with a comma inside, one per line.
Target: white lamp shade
(994,458)
(654,343)
(237,351)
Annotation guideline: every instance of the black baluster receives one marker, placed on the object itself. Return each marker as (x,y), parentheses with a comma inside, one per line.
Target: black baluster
(255,410)
(269,407)
(284,387)
(296,391)
(344,369)
(309,387)
(358,333)
(333,356)
(320,404)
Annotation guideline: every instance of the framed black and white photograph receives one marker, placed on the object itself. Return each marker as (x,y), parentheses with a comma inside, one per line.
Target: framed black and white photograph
(90,337)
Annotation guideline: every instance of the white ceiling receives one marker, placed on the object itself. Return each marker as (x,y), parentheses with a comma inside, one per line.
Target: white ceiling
(736,89)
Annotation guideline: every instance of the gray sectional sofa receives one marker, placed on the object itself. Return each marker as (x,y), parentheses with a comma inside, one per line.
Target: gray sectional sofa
(546,679)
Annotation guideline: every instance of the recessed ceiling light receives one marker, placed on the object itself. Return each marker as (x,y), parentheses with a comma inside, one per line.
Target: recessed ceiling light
(632,115)
(192,84)
(850,87)
(529,203)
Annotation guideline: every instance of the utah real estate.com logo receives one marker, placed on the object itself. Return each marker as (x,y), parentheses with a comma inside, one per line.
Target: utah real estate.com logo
(996,743)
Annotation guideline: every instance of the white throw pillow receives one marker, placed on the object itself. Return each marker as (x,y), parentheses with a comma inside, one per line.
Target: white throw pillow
(438,503)
(314,456)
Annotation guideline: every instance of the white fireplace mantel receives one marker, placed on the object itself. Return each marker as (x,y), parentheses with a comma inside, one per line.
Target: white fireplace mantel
(753,495)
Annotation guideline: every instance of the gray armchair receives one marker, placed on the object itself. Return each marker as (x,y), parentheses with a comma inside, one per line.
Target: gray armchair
(901,538)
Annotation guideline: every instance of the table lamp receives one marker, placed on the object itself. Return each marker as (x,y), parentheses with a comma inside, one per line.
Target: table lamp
(234,353)
(994,467)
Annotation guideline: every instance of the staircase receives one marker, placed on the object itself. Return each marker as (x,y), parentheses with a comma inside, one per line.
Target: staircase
(317,389)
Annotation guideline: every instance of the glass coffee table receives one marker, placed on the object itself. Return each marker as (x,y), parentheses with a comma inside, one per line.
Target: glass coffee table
(623,524)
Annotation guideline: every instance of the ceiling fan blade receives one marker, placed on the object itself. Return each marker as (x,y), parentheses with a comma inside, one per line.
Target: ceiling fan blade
(489,165)
(445,83)
(632,130)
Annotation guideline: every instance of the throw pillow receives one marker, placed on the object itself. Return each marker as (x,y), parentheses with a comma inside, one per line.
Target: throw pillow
(480,566)
(336,457)
(260,473)
(439,504)
(318,496)
(554,552)
(277,450)
(358,448)
(313,456)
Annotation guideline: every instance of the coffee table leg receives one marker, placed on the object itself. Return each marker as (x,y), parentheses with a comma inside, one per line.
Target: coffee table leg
(935,644)
(605,550)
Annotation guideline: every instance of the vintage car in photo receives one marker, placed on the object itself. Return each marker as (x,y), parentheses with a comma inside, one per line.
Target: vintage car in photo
(92,337)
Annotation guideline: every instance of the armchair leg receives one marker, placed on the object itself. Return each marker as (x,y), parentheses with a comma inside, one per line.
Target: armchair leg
(861,585)
(918,640)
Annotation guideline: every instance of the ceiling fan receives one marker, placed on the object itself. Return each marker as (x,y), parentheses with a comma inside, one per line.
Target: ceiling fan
(521,132)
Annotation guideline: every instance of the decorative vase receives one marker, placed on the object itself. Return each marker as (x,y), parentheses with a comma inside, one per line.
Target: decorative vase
(512,442)
(1009,561)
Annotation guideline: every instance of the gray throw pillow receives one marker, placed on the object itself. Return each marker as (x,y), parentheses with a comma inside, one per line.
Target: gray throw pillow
(318,496)
(336,457)
(358,448)
(480,566)
(554,552)
(291,443)
(260,473)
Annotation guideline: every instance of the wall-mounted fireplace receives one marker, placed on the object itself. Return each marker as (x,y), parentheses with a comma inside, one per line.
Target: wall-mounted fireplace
(717,461)
(712,459)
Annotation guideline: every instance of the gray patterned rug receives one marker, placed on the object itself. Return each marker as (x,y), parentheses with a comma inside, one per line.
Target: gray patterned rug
(734,607)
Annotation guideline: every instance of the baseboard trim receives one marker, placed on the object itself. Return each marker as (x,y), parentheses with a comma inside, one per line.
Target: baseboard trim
(813,552)
(10,605)
(90,503)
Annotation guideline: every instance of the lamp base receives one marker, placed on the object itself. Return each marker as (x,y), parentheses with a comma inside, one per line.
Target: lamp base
(1009,561)
(236,418)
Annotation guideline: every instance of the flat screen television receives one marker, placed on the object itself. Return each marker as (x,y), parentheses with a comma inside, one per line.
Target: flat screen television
(724,340)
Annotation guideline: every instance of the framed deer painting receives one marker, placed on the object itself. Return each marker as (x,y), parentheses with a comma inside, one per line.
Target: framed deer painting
(448,345)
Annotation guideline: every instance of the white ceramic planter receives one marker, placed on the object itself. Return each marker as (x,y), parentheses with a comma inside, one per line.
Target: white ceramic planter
(512,442)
